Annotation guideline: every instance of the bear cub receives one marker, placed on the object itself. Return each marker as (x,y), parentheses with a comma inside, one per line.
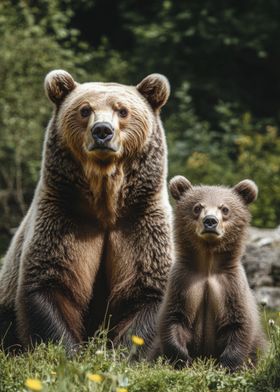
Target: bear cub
(209,309)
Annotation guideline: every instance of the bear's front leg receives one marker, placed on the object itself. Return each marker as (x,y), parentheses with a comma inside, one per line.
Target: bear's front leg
(141,264)
(139,320)
(235,334)
(57,271)
(174,337)
(174,331)
(58,267)
(9,340)
(238,346)
(48,316)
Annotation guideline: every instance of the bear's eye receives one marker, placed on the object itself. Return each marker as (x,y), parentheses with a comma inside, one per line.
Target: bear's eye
(85,111)
(225,210)
(197,209)
(123,112)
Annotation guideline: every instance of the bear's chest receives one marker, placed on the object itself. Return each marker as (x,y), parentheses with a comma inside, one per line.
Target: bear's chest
(205,305)
(105,196)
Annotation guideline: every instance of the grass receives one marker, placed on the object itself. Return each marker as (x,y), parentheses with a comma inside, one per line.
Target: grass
(98,368)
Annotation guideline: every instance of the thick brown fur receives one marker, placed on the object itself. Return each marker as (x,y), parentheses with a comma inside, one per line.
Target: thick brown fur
(96,239)
(209,309)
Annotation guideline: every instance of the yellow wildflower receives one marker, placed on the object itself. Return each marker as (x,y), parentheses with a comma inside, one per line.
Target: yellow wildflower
(53,373)
(33,384)
(121,390)
(137,340)
(95,377)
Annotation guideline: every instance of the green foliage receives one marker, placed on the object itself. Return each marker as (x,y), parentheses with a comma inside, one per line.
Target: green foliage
(221,60)
(194,149)
(240,147)
(222,48)
(257,151)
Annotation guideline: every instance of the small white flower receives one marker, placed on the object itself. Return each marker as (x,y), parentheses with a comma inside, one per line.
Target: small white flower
(271,322)
(263,301)
(99,352)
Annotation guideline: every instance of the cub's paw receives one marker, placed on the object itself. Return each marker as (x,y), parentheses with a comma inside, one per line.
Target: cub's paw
(231,363)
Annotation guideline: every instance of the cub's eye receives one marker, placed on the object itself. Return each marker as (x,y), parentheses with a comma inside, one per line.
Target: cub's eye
(225,210)
(123,112)
(197,209)
(85,111)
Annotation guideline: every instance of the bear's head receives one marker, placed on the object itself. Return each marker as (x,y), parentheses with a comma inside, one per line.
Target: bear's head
(212,215)
(105,122)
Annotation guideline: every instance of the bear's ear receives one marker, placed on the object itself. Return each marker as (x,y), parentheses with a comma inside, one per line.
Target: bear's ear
(178,186)
(248,191)
(58,84)
(156,89)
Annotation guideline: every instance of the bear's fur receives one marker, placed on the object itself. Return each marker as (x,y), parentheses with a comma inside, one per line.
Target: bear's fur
(209,309)
(96,238)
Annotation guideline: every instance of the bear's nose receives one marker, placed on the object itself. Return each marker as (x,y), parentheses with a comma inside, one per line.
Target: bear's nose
(210,222)
(102,132)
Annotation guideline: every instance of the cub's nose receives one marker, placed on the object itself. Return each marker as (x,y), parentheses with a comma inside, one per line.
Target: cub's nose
(102,132)
(210,222)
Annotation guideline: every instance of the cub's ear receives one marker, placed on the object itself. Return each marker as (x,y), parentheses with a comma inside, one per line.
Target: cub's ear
(248,190)
(58,84)
(156,89)
(178,186)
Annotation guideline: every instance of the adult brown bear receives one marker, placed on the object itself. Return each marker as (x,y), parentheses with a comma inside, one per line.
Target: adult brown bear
(96,239)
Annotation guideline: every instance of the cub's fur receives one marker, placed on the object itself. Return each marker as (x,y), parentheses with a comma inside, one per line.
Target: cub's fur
(209,309)
(96,239)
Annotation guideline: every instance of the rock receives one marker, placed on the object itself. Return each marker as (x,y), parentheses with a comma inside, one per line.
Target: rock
(270,296)
(262,264)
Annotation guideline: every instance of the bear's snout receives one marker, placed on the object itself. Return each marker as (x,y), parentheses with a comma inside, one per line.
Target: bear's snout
(102,132)
(210,222)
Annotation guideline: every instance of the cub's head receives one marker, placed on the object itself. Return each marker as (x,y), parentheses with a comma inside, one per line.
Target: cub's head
(104,122)
(213,215)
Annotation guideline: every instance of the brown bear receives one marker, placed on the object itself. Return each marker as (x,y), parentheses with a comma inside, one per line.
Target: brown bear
(96,238)
(209,309)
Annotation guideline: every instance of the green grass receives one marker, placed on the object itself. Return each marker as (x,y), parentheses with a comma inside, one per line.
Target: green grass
(57,373)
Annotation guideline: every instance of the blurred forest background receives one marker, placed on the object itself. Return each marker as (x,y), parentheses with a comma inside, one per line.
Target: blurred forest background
(223,62)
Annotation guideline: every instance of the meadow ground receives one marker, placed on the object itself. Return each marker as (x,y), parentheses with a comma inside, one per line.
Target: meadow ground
(98,368)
